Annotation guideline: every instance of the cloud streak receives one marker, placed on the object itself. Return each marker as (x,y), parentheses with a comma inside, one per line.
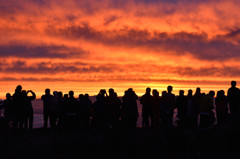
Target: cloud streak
(42,51)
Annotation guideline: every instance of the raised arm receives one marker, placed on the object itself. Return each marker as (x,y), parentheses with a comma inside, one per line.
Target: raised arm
(33,95)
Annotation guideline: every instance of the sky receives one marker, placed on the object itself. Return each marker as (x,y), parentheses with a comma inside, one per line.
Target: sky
(86,46)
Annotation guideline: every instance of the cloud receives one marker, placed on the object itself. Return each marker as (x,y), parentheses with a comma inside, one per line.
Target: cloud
(53,68)
(42,51)
(196,44)
(116,71)
(109,20)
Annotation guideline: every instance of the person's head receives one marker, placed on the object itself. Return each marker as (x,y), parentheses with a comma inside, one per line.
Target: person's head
(71,93)
(155,93)
(111,91)
(148,90)
(169,88)
(60,94)
(8,96)
(87,96)
(47,91)
(126,93)
(130,89)
(212,93)
(55,93)
(233,83)
(18,89)
(103,91)
(190,92)
(198,90)
(24,93)
(218,93)
(222,92)
(65,96)
(164,93)
(181,93)
(81,97)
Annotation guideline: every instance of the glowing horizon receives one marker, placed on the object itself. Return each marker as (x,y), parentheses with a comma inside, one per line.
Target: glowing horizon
(86,46)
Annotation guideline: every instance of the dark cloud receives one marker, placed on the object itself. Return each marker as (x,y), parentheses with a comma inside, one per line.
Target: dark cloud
(110,19)
(199,45)
(52,68)
(208,72)
(43,51)
(211,71)
(118,70)
(234,33)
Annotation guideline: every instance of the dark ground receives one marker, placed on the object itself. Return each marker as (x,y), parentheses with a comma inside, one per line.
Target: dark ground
(217,142)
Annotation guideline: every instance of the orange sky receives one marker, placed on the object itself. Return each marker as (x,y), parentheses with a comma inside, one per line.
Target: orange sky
(85,46)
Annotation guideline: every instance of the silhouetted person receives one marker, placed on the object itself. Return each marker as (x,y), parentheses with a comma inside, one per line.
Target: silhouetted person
(147,108)
(233,96)
(99,119)
(181,103)
(84,111)
(89,105)
(129,109)
(71,115)
(65,105)
(156,110)
(196,102)
(113,109)
(49,109)
(19,107)
(221,107)
(171,104)
(8,109)
(205,109)
(192,110)
(60,109)
(164,110)
(29,108)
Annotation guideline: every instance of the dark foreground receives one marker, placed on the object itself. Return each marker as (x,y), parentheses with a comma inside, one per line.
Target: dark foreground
(217,142)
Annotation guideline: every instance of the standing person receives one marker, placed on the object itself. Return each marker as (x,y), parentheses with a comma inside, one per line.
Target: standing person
(129,109)
(83,112)
(170,97)
(221,107)
(8,109)
(19,107)
(113,109)
(49,109)
(205,110)
(156,110)
(99,119)
(147,105)
(60,110)
(89,106)
(196,102)
(29,112)
(72,111)
(192,110)
(181,103)
(233,96)
(164,110)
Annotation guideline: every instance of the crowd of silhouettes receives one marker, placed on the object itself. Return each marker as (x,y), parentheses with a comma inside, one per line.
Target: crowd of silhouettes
(112,112)
(18,110)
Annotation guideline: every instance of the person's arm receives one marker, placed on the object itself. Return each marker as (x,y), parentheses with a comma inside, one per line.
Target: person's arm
(33,95)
